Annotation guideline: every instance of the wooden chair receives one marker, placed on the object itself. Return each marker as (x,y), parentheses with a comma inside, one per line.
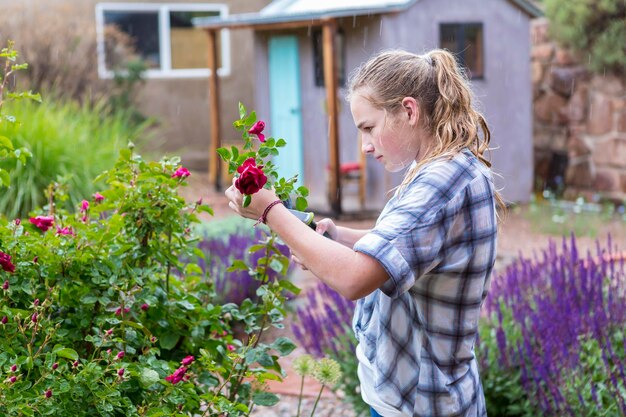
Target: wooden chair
(355,172)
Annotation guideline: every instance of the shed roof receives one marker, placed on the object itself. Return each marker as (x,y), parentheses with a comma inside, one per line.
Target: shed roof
(282,11)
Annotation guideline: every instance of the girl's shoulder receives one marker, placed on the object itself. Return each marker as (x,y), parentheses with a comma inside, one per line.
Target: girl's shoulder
(454,166)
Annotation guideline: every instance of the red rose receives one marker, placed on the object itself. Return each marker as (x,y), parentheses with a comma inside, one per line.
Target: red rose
(42,222)
(256,129)
(5,262)
(251,178)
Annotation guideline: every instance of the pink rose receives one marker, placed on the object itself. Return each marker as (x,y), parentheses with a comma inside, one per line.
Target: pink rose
(65,231)
(5,285)
(256,129)
(251,178)
(145,307)
(84,205)
(177,376)
(121,354)
(98,197)
(42,222)
(181,173)
(187,360)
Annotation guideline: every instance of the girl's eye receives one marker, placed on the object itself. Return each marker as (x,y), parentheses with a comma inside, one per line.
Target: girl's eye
(367,129)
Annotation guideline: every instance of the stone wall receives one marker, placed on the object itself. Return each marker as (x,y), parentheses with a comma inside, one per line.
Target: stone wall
(579,123)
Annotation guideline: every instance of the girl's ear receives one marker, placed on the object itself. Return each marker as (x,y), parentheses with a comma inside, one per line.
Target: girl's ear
(410,110)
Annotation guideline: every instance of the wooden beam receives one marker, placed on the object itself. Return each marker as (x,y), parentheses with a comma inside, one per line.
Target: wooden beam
(215,172)
(298,24)
(329,33)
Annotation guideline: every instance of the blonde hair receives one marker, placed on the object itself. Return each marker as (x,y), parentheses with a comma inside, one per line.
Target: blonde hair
(442,92)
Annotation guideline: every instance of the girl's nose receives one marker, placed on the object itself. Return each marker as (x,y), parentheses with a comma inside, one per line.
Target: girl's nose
(367,148)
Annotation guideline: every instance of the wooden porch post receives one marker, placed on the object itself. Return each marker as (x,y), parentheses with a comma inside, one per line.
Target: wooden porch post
(215,172)
(329,32)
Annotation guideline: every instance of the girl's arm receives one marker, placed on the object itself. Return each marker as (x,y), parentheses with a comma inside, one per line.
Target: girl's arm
(352,274)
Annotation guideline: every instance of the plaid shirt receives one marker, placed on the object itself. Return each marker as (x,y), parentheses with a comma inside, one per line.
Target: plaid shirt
(437,242)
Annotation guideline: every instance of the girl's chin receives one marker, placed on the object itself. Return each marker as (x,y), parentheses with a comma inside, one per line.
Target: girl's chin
(395,167)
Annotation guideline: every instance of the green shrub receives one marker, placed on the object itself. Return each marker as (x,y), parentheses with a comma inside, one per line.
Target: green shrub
(596,29)
(71,144)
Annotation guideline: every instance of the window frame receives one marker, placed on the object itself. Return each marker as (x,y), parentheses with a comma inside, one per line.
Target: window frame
(340,56)
(163,10)
(459,52)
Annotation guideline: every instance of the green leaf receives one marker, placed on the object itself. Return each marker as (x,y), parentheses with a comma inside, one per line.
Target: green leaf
(224,153)
(242,110)
(266,399)
(289,286)
(277,265)
(283,346)
(66,353)
(280,143)
(169,340)
(89,299)
(237,265)
(6,142)
(186,305)
(247,199)
(251,119)
(303,191)
(148,377)
(18,67)
(301,203)
(4,177)
(235,152)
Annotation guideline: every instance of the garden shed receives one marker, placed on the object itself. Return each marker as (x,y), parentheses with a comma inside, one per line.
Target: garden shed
(305,50)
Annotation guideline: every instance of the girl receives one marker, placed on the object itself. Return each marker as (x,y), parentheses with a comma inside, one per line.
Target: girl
(421,275)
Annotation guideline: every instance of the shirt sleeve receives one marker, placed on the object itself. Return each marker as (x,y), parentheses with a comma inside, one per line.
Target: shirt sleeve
(408,237)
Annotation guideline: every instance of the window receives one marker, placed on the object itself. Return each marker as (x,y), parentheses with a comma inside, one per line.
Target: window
(161,35)
(465,40)
(318,57)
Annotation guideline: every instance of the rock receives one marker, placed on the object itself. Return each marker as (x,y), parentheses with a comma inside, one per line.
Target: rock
(539,31)
(552,138)
(577,147)
(621,121)
(576,110)
(610,152)
(579,174)
(536,69)
(549,108)
(542,53)
(600,114)
(608,84)
(564,79)
(606,179)
(564,57)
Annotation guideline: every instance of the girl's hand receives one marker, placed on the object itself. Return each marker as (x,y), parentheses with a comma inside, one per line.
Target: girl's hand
(298,262)
(260,200)
(327,225)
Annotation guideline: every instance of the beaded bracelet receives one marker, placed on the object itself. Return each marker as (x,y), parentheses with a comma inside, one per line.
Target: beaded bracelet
(263,218)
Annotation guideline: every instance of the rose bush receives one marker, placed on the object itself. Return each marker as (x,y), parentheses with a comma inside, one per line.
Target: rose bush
(99,316)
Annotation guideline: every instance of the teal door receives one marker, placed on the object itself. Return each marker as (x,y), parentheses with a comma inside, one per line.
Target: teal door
(285,104)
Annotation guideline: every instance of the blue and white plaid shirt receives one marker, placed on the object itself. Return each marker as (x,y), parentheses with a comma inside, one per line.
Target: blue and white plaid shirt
(437,242)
